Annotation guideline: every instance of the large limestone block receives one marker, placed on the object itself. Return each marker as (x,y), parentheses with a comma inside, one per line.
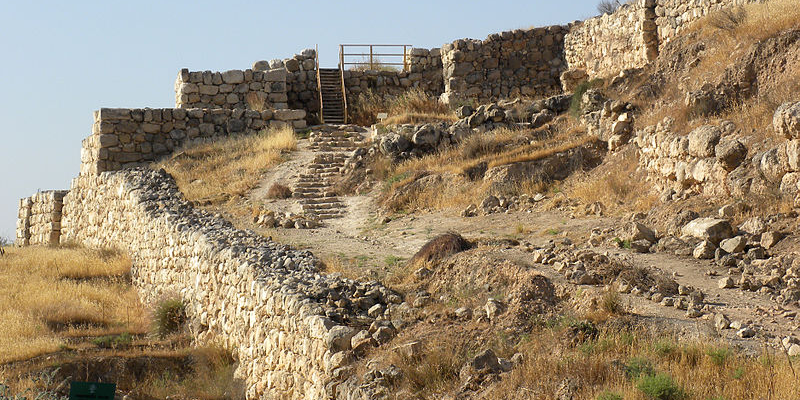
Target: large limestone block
(702,141)
(786,121)
(711,229)
(233,76)
(287,115)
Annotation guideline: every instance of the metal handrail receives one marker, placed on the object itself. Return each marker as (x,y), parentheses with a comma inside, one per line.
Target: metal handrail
(372,62)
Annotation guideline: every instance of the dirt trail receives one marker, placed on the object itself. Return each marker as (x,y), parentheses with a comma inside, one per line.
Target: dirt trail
(375,244)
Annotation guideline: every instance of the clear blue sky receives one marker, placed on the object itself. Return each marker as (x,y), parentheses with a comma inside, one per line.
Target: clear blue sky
(64,59)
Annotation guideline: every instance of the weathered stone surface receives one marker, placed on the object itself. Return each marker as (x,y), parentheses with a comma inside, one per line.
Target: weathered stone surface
(786,120)
(733,245)
(711,229)
(730,153)
(703,140)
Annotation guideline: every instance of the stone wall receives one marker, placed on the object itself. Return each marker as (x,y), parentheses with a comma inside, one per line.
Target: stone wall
(124,138)
(301,80)
(610,43)
(674,16)
(39,218)
(289,325)
(424,74)
(231,89)
(504,65)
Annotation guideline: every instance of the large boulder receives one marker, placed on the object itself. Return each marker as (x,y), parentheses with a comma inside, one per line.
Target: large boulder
(702,141)
(773,164)
(786,120)
(393,144)
(541,118)
(712,229)
(426,136)
(730,153)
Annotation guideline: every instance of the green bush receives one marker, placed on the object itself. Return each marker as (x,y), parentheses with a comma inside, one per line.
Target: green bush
(608,395)
(113,341)
(660,387)
(664,348)
(170,317)
(719,356)
(576,104)
(637,367)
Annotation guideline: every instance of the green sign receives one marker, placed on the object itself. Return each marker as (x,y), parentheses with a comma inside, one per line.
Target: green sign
(91,391)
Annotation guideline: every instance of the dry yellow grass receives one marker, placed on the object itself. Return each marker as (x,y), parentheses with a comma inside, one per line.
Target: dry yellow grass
(231,166)
(705,370)
(619,185)
(495,148)
(410,107)
(47,294)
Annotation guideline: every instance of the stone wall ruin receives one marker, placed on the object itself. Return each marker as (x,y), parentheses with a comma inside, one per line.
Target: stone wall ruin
(39,218)
(126,137)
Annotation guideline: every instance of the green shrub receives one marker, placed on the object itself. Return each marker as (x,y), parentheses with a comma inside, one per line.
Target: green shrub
(576,104)
(664,348)
(608,395)
(113,341)
(660,387)
(637,367)
(170,316)
(719,356)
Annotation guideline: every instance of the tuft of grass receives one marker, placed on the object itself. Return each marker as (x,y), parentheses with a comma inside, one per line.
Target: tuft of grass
(608,395)
(230,166)
(113,341)
(50,293)
(576,105)
(256,101)
(169,316)
(619,185)
(728,19)
(637,367)
(719,356)
(660,387)
(278,191)
(611,302)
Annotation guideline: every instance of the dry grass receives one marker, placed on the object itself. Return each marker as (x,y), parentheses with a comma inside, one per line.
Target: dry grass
(420,118)
(619,185)
(595,366)
(609,362)
(228,167)
(411,107)
(477,152)
(256,101)
(47,294)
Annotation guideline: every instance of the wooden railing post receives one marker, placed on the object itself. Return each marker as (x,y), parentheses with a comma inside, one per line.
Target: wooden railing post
(372,67)
(319,85)
(405,64)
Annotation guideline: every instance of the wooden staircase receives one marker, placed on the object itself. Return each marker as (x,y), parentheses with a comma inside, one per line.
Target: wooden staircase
(332,97)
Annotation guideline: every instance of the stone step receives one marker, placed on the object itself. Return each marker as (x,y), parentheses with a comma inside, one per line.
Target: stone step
(322,200)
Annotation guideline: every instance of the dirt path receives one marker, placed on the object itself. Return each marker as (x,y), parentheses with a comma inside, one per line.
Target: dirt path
(375,244)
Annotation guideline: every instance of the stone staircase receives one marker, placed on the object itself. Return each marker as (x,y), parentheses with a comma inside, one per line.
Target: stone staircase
(330,91)
(314,189)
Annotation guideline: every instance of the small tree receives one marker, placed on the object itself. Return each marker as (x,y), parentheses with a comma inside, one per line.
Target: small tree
(608,6)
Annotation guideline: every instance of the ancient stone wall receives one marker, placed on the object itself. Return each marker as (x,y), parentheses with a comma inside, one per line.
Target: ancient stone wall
(124,138)
(261,299)
(610,43)
(232,89)
(39,218)
(674,16)
(301,80)
(504,65)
